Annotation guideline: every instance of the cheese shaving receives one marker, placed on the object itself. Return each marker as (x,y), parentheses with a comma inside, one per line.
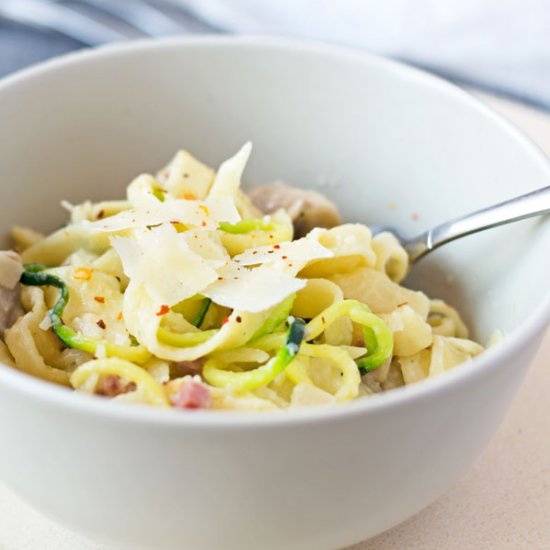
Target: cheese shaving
(186,177)
(252,290)
(11,269)
(161,260)
(302,250)
(228,178)
(205,214)
(207,244)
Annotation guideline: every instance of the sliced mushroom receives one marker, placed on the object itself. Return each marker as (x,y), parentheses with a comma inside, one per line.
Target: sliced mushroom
(10,304)
(308,209)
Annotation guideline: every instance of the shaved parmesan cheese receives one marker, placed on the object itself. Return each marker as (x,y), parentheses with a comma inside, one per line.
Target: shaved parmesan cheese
(160,259)
(301,250)
(46,323)
(228,178)
(129,253)
(69,207)
(252,290)
(141,192)
(207,244)
(11,269)
(205,214)
(187,178)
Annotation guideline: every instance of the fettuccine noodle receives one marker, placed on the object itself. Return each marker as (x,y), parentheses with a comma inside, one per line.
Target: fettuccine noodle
(186,295)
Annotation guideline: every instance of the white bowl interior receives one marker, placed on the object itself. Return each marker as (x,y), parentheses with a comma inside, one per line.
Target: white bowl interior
(387,144)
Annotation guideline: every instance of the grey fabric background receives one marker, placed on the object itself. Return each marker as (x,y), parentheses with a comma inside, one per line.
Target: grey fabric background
(23,46)
(20,47)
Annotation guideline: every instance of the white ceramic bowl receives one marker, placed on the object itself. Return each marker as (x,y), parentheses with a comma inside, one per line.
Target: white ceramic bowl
(394,141)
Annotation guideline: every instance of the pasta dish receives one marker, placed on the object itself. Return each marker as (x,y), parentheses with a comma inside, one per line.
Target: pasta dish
(191,294)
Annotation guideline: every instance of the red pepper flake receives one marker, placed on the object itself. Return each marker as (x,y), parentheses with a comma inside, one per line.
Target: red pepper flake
(203,224)
(101,324)
(277,246)
(225,320)
(99,299)
(238,319)
(284,257)
(119,316)
(414,216)
(189,196)
(164,309)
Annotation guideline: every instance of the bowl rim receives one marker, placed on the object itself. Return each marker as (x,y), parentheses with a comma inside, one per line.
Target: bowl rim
(526,334)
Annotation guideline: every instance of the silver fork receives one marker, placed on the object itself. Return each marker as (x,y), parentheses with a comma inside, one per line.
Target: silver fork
(532,204)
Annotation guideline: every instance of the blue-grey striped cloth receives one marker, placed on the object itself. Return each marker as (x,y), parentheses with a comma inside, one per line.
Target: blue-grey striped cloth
(499,45)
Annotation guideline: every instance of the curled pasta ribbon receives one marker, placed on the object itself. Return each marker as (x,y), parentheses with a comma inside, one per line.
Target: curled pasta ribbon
(34,275)
(148,387)
(214,373)
(378,337)
(350,379)
(296,372)
(23,347)
(391,257)
(445,320)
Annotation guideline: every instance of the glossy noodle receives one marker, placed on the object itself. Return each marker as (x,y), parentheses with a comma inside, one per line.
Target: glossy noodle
(185,294)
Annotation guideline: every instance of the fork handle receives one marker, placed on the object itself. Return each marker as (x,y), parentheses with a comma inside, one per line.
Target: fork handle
(535,203)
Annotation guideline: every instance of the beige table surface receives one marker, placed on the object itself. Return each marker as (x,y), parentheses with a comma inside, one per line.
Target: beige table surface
(502,504)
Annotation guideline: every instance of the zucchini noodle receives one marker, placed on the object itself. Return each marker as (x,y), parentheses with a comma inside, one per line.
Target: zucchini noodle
(246,226)
(250,380)
(34,275)
(185,294)
(377,336)
(186,339)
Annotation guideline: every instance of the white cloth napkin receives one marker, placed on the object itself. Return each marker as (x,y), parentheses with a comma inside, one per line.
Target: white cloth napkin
(500,44)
